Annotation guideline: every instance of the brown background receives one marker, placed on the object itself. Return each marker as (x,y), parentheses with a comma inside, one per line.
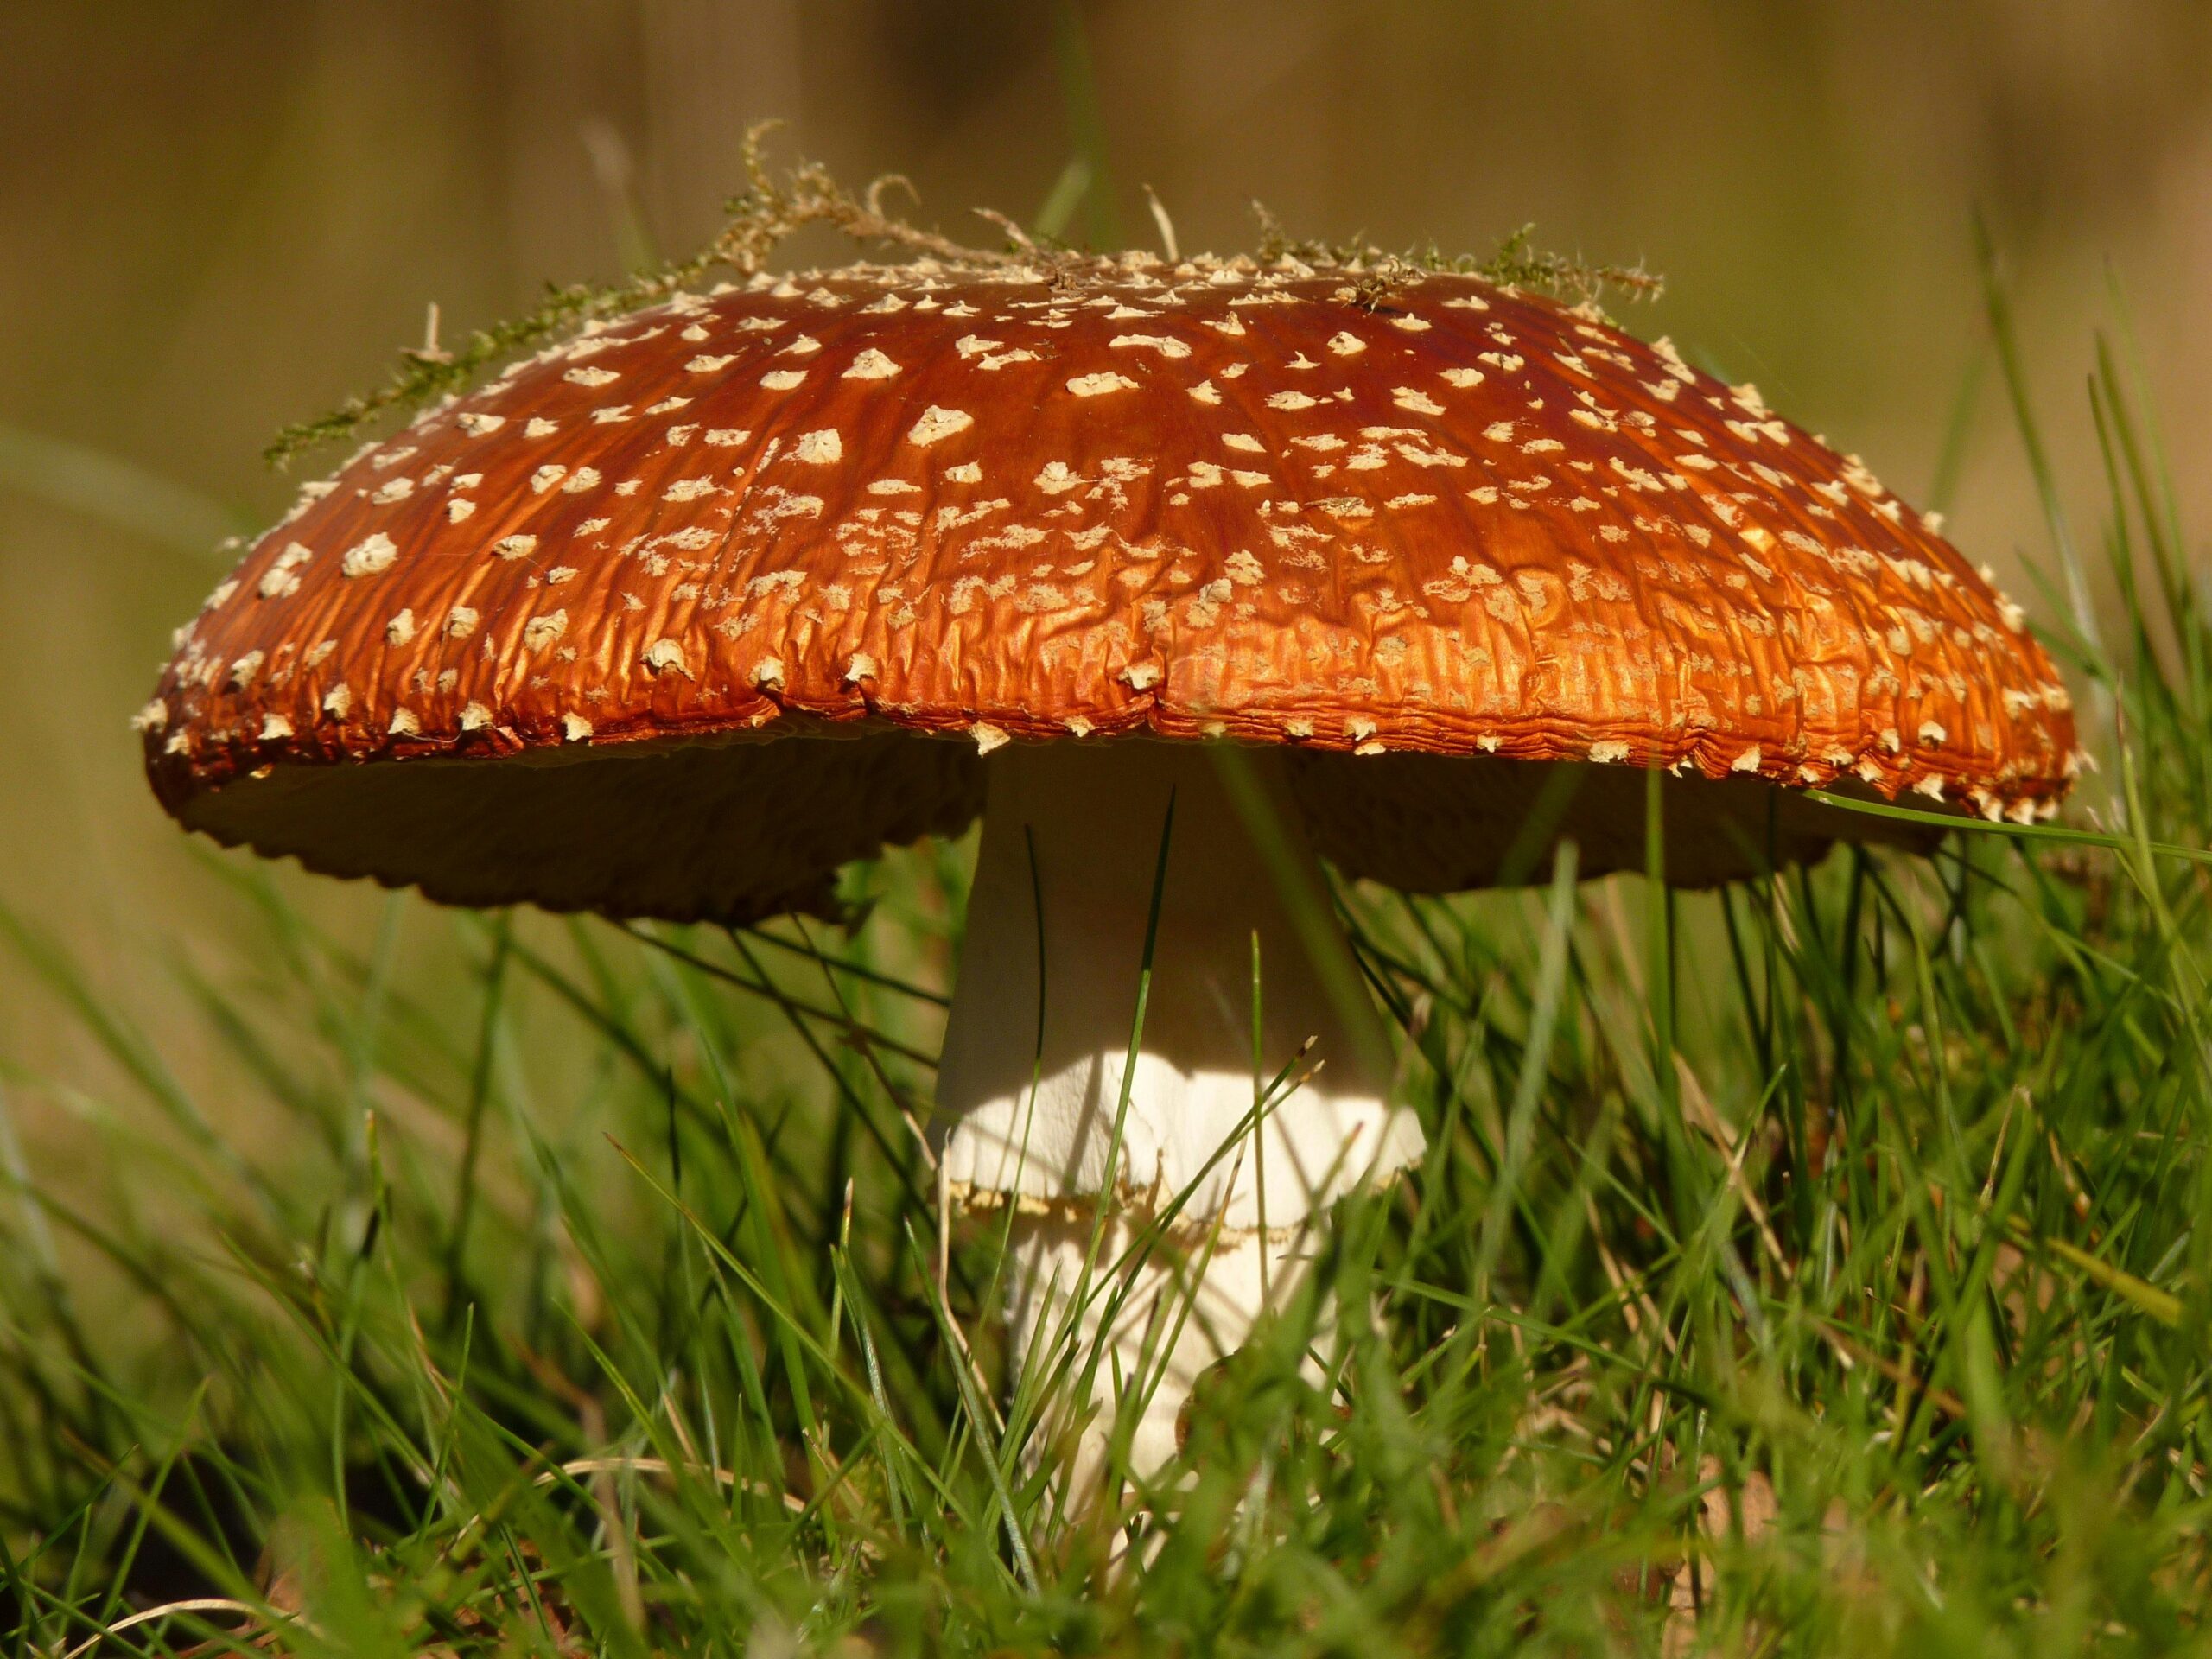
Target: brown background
(219,215)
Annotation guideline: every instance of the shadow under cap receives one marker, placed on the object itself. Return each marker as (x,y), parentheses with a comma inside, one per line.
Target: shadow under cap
(739,829)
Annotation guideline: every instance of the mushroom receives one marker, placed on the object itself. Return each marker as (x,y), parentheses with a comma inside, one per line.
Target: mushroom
(1023,539)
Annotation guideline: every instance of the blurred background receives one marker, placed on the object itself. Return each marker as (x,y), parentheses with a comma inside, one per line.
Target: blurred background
(217,216)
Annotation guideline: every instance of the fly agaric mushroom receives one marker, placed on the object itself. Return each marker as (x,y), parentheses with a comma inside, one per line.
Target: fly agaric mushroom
(1020,536)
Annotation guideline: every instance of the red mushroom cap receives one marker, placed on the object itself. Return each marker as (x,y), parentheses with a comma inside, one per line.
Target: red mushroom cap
(536,646)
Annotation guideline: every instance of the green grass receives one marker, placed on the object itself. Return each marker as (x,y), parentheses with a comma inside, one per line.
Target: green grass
(1814,1265)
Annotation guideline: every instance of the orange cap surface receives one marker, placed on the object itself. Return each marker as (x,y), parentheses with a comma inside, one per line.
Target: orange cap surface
(531,647)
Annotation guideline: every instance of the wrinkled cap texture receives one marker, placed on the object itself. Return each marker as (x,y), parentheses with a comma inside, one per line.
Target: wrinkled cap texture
(677,616)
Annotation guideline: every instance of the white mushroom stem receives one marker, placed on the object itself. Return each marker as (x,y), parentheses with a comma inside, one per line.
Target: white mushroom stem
(1029,1118)
(1149,1332)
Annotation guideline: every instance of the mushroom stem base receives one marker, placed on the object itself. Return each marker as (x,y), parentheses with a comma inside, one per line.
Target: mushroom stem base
(1187,1305)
